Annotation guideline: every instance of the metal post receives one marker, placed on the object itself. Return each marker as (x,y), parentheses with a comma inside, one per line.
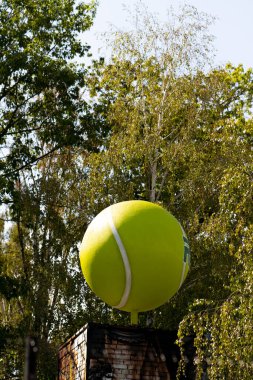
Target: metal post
(31,351)
(134,318)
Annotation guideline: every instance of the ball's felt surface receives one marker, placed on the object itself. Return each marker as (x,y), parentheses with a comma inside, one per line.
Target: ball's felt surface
(134,255)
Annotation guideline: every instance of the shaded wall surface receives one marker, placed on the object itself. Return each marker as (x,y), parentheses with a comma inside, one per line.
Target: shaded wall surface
(122,353)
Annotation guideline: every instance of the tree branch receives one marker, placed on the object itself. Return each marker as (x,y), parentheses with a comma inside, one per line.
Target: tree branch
(33,162)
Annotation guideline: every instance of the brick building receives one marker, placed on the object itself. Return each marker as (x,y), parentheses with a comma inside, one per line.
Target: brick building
(122,353)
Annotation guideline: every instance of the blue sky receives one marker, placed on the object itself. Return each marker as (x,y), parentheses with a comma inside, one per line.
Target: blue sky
(233,28)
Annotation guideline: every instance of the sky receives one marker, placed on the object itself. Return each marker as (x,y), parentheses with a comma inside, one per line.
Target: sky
(233,28)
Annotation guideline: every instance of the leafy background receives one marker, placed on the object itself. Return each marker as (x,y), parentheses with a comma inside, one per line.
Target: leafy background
(157,121)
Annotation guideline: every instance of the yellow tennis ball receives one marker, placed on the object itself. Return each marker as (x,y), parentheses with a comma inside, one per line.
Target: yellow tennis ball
(135,255)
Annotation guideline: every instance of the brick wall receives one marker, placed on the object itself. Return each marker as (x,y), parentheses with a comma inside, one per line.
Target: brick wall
(72,357)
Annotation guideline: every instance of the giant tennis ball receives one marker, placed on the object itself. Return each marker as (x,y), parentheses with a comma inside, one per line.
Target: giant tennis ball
(134,255)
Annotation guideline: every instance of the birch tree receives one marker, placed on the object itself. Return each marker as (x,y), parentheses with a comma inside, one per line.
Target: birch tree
(143,86)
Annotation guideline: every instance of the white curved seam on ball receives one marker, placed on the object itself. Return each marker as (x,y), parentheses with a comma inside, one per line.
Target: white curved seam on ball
(184,262)
(125,260)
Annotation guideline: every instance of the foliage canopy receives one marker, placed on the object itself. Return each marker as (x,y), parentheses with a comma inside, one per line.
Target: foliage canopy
(161,126)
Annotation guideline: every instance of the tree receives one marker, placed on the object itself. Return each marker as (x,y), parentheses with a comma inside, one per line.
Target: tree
(142,85)
(41,252)
(41,107)
(41,112)
(223,325)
